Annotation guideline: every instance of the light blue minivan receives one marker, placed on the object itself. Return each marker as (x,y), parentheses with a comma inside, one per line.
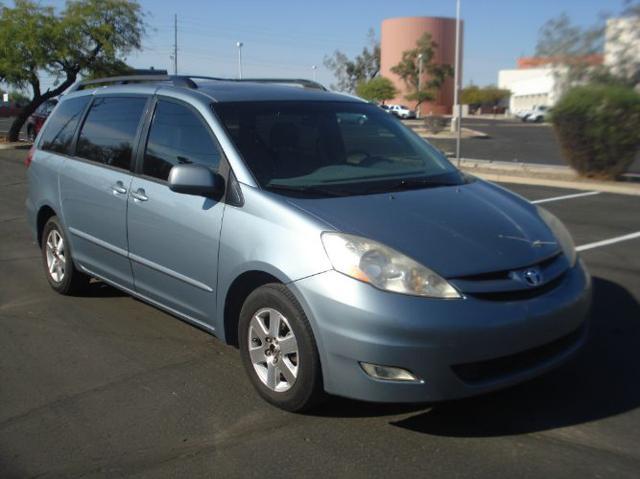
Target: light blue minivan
(339,251)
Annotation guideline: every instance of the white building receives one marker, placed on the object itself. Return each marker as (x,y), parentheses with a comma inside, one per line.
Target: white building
(622,45)
(535,83)
(529,87)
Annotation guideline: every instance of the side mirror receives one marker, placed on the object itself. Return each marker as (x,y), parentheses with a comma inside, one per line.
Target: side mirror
(195,180)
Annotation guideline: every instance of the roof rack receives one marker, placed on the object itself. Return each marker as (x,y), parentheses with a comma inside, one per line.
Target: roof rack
(186,81)
(288,81)
(126,79)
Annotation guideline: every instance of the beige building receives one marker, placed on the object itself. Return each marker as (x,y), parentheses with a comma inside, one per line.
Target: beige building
(401,34)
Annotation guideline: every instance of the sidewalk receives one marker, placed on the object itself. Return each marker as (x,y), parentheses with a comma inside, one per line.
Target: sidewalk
(545,175)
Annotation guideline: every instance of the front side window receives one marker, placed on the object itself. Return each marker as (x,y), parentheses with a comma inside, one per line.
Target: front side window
(332,147)
(58,134)
(108,133)
(178,136)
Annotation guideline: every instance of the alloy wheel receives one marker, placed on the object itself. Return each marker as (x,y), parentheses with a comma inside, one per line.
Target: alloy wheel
(55,255)
(273,349)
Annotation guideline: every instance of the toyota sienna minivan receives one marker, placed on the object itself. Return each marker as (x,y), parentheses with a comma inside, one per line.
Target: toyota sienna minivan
(340,252)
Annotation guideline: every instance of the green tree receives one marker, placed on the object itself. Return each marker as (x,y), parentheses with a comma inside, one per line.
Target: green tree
(434,74)
(377,89)
(84,36)
(486,96)
(364,67)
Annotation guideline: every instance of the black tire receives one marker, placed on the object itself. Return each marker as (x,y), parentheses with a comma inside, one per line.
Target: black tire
(72,282)
(307,391)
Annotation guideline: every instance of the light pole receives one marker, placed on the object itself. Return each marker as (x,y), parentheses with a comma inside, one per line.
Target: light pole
(239,45)
(314,68)
(456,87)
(419,81)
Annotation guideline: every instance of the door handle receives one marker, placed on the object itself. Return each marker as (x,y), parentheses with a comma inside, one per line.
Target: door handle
(139,195)
(119,188)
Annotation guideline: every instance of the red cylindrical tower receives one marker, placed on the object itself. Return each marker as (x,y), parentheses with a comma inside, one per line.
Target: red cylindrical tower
(401,34)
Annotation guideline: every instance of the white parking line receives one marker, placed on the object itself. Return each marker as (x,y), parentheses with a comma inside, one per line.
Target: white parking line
(567,197)
(606,242)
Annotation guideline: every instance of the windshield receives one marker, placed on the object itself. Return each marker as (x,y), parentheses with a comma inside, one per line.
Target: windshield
(329,148)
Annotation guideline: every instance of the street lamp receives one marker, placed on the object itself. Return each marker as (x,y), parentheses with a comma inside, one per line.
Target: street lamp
(314,68)
(239,45)
(419,81)
(456,88)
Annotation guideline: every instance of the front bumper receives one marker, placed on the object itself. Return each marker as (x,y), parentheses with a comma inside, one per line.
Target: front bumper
(457,348)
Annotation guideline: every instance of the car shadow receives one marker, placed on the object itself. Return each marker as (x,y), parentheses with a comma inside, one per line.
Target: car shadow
(601,381)
(100,289)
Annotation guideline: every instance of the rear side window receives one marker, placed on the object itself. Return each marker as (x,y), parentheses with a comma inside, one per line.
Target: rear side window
(108,133)
(178,136)
(58,134)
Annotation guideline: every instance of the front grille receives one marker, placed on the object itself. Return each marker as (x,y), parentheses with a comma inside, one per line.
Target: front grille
(494,369)
(510,285)
(505,274)
(519,295)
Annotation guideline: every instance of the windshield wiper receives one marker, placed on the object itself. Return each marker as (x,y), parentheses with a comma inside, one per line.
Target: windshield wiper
(313,190)
(410,184)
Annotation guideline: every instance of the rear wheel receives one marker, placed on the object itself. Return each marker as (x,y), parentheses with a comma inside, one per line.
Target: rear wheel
(278,349)
(56,257)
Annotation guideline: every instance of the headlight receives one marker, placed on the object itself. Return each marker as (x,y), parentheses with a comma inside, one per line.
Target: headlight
(383,267)
(561,233)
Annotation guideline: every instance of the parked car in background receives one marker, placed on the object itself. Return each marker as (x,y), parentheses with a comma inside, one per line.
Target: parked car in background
(338,250)
(37,119)
(401,111)
(537,115)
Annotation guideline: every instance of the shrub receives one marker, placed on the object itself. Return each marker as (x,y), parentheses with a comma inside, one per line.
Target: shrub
(435,124)
(598,127)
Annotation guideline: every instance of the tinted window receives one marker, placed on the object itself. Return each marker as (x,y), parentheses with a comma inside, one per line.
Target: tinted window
(178,136)
(60,128)
(109,130)
(346,146)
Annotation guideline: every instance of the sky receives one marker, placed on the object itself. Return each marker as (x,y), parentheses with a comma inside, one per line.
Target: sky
(284,38)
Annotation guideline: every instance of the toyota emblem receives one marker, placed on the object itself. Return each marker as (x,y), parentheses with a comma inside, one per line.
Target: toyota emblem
(532,277)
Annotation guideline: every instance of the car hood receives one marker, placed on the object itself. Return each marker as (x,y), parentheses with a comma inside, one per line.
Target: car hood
(457,231)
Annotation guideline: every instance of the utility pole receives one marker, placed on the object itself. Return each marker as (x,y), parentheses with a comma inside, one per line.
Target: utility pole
(314,68)
(456,88)
(175,44)
(419,81)
(239,45)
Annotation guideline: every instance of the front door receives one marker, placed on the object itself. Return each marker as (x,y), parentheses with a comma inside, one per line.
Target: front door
(173,237)
(94,187)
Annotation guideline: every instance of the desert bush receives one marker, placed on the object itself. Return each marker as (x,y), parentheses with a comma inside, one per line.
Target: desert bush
(435,124)
(598,128)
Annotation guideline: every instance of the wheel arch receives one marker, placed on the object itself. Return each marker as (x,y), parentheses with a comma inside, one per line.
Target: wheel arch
(241,287)
(44,213)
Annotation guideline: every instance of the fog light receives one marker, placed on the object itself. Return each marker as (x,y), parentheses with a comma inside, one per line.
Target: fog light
(388,373)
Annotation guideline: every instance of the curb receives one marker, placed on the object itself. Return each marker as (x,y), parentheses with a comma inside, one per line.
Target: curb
(543,175)
(16,145)
(466,133)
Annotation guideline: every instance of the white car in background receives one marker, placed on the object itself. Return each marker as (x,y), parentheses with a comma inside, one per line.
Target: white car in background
(401,111)
(537,114)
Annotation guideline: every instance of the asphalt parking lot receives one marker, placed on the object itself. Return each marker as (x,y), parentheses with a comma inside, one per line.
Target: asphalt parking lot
(513,141)
(107,386)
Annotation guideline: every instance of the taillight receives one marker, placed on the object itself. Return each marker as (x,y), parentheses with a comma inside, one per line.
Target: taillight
(29,158)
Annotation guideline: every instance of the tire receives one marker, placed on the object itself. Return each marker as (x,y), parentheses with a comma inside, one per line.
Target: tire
(289,381)
(61,273)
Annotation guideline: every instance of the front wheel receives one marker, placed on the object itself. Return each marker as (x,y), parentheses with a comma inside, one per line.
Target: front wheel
(278,349)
